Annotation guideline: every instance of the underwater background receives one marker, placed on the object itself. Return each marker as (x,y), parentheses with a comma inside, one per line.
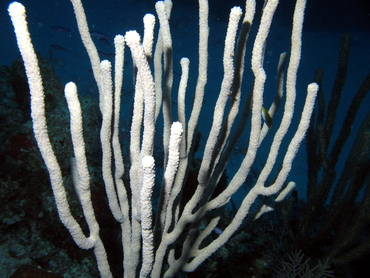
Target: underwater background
(33,240)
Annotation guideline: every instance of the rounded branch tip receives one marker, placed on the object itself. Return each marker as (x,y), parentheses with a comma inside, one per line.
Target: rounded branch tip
(148,161)
(149,18)
(105,65)
(176,127)
(16,8)
(184,61)
(70,87)
(313,87)
(119,39)
(237,10)
(132,37)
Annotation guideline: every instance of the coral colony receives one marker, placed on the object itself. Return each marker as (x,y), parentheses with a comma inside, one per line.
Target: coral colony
(151,195)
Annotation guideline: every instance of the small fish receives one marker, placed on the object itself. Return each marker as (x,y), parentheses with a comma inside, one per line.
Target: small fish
(99,35)
(266,117)
(175,73)
(218,230)
(103,55)
(111,55)
(104,40)
(58,47)
(60,29)
(106,56)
